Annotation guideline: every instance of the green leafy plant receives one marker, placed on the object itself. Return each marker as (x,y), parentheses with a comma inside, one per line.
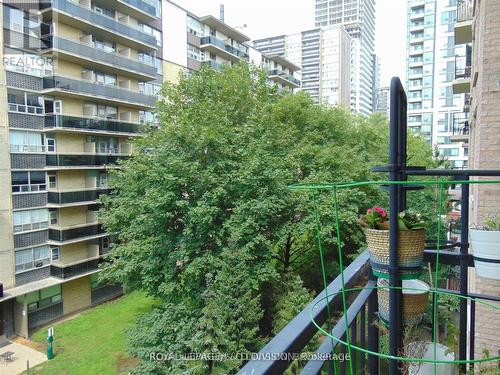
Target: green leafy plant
(410,220)
(492,223)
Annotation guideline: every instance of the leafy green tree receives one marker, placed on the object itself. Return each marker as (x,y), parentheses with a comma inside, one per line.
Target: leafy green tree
(205,220)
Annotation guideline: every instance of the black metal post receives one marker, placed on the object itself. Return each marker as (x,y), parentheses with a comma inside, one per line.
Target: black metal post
(464,250)
(362,334)
(472,331)
(372,333)
(397,161)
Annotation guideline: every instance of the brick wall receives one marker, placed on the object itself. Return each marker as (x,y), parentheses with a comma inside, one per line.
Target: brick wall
(485,152)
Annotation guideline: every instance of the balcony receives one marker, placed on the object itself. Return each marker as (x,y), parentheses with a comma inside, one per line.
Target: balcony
(90,125)
(65,271)
(218,47)
(463,68)
(463,24)
(139,9)
(284,78)
(461,128)
(467,102)
(345,314)
(80,197)
(85,88)
(86,19)
(81,161)
(104,61)
(212,64)
(75,234)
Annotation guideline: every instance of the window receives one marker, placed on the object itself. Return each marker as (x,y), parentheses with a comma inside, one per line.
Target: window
(149,88)
(104,45)
(194,26)
(55,254)
(105,79)
(53,216)
(98,8)
(24,182)
(43,298)
(149,30)
(32,258)
(147,117)
(194,53)
(105,145)
(52,181)
(25,103)
(147,57)
(102,179)
(58,107)
(30,220)
(51,144)
(25,141)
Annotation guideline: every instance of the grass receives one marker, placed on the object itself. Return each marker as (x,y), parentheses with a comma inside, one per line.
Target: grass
(93,342)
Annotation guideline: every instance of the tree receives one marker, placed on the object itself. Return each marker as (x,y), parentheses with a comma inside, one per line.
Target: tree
(206,222)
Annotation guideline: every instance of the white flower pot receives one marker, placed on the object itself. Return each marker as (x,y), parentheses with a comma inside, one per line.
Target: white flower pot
(428,354)
(486,245)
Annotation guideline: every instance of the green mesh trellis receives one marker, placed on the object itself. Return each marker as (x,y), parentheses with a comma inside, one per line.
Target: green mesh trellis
(333,188)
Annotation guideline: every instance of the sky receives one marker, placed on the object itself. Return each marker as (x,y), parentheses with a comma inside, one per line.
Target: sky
(263,18)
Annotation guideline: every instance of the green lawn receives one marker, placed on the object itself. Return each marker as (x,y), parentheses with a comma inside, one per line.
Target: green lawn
(93,342)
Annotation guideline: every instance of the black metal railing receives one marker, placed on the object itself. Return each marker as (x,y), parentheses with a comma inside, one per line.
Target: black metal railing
(64,272)
(62,235)
(94,124)
(76,196)
(57,160)
(460,124)
(467,101)
(462,67)
(465,10)
(278,354)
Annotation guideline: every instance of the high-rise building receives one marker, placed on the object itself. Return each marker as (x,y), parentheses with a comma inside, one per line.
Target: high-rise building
(434,110)
(358,19)
(324,57)
(192,41)
(79,80)
(382,105)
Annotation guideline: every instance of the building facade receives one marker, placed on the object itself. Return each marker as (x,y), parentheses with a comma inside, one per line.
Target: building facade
(208,41)
(323,54)
(477,76)
(358,19)
(434,110)
(383,104)
(79,80)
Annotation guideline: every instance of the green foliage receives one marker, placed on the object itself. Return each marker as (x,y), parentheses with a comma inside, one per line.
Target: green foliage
(205,219)
(492,223)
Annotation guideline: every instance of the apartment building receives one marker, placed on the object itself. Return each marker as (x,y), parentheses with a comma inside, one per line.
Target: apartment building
(477,76)
(383,98)
(358,19)
(208,41)
(324,58)
(79,80)
(435,110)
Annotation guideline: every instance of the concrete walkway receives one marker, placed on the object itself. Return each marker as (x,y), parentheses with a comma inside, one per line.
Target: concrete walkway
(21,354)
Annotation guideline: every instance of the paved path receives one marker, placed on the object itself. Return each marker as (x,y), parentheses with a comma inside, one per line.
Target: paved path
(22,354)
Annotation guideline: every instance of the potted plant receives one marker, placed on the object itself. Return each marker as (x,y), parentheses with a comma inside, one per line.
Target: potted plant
(485,244)
(415,297)
(411,242)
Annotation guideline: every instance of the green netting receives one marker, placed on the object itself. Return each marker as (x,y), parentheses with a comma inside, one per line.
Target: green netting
(333,188)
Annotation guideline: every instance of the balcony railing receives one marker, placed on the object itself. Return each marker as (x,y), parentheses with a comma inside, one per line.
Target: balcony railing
(76,196)
(57,160)
(288,77)
(460,124)
(462,67)
(100,20)
(90,88)
(143,6)
(92,124)
(465,10)
(66,271)
(95,54)
(224,46)
(62,235)
(212,64)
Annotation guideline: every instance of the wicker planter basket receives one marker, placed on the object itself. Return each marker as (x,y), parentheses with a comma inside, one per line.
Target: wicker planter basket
(411,244)
(414,300)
